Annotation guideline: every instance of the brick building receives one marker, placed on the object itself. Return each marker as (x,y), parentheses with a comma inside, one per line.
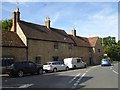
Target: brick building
(42,43)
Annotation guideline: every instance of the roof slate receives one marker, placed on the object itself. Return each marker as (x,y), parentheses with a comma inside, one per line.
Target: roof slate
(93,41)
(35,31)
(41,32)
(80,41)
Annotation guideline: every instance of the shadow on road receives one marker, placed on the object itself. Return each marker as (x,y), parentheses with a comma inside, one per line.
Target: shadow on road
(81,83)
(50,80)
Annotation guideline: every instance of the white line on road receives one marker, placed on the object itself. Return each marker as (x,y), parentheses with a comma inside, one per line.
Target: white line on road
(115,71)
(25,86)
(111,67)
(76,83)
(2,75)
(8,87)
(74,78)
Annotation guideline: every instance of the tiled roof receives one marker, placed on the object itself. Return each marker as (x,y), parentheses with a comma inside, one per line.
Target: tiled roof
(10,38)
(93,41)
(80,41)
(41,32)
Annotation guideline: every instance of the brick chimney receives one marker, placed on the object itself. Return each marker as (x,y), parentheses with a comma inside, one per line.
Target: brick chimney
(17,15)
(47,22)
(74,32)
(15,19)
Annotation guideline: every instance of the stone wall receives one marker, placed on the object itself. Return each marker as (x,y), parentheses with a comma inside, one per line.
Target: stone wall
(45,50)
(18,53)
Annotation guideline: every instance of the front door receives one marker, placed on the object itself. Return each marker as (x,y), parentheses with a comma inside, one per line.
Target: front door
(90,61)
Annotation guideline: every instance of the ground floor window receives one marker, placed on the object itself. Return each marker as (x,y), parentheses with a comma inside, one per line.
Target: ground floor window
(38,60)
(7,60)
(55,58)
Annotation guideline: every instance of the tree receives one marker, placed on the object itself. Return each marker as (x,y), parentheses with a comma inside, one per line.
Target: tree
(6,24)
(111,48)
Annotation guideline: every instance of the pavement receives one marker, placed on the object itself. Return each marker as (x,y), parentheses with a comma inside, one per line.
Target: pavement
(90,77)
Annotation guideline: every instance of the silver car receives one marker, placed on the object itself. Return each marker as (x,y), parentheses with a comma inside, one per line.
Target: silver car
(55,66)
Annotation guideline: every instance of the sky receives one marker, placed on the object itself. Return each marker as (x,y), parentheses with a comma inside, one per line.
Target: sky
(88,18)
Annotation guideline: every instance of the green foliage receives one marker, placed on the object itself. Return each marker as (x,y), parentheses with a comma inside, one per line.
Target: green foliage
(111,48)
(6,24)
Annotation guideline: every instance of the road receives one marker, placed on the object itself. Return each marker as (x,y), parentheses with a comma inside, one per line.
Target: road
(90,77)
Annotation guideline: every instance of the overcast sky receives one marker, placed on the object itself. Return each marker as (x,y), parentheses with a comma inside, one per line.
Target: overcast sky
(89,18)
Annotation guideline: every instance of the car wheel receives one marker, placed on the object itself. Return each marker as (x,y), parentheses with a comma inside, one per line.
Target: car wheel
(85,66)
(40,71)
(55,70)
(67,68)
(20,73)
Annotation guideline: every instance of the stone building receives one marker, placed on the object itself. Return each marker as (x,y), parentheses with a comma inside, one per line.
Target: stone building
(42,43)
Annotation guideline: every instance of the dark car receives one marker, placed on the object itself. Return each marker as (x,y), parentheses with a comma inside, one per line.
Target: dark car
(24,67)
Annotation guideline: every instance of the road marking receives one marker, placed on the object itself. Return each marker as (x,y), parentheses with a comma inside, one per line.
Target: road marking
(8,87)
(77,82)
(86,71)
(74,78)
(25,86)
(115,71)
(3,75)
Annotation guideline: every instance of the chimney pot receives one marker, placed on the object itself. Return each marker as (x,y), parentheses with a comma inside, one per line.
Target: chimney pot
(47,22)
(74,32)
(15,19)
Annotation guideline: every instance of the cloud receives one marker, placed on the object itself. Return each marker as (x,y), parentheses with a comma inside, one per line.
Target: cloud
(103,23)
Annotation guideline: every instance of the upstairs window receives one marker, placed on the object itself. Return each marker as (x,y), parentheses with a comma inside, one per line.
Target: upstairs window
(99,50)
(38,59)
(70,46)
(55,58)
(55,45)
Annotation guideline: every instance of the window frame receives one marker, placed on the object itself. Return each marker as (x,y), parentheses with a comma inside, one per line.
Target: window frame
(56,45)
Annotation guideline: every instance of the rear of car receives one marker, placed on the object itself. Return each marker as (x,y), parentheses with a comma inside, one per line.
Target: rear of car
(105,62)
(49,66)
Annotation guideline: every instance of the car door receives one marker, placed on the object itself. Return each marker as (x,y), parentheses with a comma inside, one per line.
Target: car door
(57,64)
(25,67)
(63,66)
(82,63)
(32,67)
(79,64)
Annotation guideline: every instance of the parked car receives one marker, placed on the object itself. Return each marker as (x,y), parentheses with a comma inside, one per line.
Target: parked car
(24,67)
(105,62)
(74,63)
(55,66)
